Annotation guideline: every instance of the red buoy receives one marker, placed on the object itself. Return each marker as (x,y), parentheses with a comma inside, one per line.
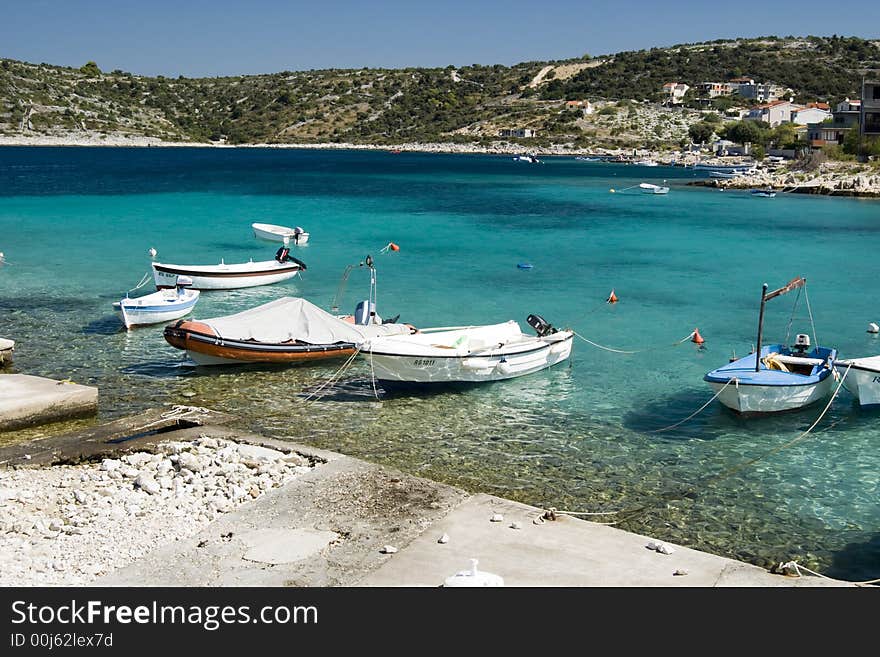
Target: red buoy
(612,297)
(697,338)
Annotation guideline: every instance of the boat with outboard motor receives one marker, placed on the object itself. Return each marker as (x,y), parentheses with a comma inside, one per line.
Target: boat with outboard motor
(775,377)
(273,233)
(224,276)
(467,354)
(165,305)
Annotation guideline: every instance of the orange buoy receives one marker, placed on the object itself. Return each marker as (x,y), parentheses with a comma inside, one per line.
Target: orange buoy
(393,246)
(697,338)
(612,297)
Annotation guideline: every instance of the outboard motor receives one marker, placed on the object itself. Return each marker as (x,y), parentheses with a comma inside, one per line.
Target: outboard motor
(184,281)
(363,313)
(802,344)
(542,327)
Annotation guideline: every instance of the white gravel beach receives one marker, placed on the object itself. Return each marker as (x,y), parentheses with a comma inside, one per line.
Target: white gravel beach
(68,524)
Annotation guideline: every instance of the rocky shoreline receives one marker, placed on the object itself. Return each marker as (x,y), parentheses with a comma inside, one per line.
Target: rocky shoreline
(66,525)
(863,183)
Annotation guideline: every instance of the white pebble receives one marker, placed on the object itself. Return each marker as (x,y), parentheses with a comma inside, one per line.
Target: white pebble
(443,539)
(388,549)
(496,518)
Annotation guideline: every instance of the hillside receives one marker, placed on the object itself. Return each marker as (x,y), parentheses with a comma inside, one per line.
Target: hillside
(385,106)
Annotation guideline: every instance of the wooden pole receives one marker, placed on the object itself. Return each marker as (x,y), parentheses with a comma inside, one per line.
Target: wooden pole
(760,328)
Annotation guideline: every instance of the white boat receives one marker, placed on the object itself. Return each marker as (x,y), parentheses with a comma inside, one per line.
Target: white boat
(862,378)
(296,236)
(646,163)
(163,306)
(467,354)
(224,276)
(649,188)
(527,158)
(783,378)
(763,193)
(726,175)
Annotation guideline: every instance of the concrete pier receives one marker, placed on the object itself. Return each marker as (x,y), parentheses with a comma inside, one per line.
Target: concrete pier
(347,522)
(31,400)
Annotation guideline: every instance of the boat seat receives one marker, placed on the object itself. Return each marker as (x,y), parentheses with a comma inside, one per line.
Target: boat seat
(798,360)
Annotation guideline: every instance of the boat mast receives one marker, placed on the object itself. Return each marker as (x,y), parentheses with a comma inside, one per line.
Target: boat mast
(760,328)
(793,284)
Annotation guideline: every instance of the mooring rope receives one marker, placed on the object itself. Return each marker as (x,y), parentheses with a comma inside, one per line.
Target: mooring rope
(143,282)
(798,568)
(745,464)
(373,374)
(810,311)
(177,412)
(640,351)
(700,409)
(627,513)
(333,378)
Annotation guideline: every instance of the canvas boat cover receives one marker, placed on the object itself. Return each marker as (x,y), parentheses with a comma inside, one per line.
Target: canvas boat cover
(292,318)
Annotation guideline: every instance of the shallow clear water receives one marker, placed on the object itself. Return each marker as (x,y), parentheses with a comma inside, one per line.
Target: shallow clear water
(76,225)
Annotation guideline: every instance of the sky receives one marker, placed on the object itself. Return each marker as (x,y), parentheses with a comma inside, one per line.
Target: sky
(200,38)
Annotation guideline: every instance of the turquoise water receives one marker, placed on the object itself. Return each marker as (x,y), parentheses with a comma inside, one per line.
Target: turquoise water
(76,225)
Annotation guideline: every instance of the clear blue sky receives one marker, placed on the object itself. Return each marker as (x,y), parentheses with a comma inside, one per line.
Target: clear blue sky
(231,37)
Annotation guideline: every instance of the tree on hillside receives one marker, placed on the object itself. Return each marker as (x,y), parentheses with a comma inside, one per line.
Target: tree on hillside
(701,133)
(91,69)
(743,132)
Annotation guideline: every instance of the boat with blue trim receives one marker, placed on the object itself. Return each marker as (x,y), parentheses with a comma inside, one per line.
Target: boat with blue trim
(775,377)
(163,306)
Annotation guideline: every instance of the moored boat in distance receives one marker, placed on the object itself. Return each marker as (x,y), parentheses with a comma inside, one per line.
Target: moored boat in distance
(775,377)
(646,163)
(274,233)
(862,378)
(727,175)
(224,276)
(467,354)
(763,193)
(650,188)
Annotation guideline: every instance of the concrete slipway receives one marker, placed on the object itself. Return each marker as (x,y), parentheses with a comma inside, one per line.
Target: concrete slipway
(329,527)
(29,400)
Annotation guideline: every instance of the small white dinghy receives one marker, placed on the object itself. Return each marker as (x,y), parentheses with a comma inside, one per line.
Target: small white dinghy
(862,378)
(296,236)
(467,354)
(162,306)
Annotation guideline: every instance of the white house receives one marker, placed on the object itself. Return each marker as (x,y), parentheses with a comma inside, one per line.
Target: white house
(763,93)
(675,91)
(810,114)
(779,111)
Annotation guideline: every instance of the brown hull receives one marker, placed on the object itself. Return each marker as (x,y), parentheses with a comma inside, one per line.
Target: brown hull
(199,339)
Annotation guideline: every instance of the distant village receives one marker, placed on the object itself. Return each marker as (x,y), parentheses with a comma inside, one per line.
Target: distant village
(817,125)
